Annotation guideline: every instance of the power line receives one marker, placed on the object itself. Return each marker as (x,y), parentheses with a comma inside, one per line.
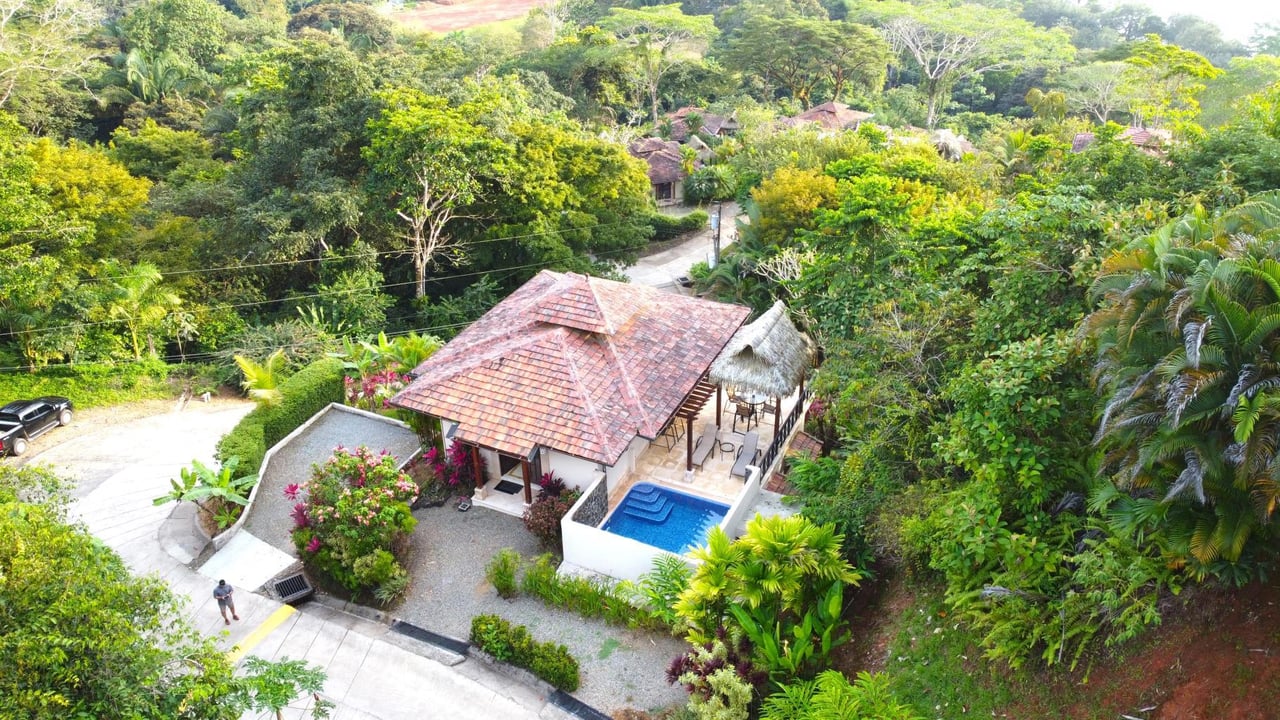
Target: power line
(255,303)
(186,357)
(374,254)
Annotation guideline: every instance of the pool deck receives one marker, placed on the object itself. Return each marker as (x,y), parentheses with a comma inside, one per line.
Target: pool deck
(662,465)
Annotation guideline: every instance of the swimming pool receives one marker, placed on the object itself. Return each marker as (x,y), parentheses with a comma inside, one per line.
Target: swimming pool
(664,518)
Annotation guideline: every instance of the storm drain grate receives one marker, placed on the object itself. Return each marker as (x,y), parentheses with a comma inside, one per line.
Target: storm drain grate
(294,588)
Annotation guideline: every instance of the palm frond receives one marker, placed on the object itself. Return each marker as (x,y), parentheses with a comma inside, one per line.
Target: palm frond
(1191,479)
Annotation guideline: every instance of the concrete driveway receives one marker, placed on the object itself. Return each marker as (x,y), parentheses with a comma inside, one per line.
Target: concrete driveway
(372,673)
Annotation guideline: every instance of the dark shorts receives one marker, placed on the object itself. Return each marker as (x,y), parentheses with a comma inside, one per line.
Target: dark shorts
(223,602)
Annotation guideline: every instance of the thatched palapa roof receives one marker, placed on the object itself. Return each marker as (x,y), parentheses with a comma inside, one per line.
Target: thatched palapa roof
(768,356)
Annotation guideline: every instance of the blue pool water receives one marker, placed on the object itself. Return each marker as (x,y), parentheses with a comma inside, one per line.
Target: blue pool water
(664,518)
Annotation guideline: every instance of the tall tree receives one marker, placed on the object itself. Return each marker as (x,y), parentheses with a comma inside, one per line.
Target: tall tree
(301,112)
(39,43)
(1163,82)
(1095,88)
(433,161)
(659,37)
(805,56)
(949,44)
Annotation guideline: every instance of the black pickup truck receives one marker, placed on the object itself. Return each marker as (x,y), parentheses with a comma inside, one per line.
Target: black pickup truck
(24,420)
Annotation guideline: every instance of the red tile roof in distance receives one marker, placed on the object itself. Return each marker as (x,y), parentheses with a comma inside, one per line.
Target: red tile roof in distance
(578,364)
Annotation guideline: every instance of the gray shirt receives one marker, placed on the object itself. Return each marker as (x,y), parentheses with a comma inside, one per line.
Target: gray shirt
(222,594)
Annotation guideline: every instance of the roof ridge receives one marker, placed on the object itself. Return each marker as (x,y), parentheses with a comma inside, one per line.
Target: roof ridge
(588,402)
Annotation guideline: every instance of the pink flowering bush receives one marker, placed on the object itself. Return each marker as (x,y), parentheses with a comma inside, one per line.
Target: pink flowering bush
(355,520)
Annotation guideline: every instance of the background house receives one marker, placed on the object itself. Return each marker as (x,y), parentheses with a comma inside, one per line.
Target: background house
(830,116)
(666,168)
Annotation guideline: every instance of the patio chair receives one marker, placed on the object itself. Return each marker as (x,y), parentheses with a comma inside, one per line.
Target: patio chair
(746,455)
(743,412)
(706,444)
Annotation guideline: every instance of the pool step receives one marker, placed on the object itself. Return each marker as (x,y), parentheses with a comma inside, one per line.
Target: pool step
(653,505)
(647,494)
(654,515)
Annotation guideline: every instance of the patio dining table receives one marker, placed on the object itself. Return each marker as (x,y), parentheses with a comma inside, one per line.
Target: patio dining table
(754,399)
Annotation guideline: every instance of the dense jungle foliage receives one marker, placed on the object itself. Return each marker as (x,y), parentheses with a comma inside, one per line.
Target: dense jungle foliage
(1049,340)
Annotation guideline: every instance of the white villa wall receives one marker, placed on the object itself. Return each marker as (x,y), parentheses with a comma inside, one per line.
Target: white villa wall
(627,463)
(735,522)
(576,472)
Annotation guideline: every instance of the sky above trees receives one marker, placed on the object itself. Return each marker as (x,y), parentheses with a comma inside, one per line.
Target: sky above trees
(1239,19)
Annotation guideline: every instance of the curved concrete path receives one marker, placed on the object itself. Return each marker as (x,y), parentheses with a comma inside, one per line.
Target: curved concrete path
(372,673)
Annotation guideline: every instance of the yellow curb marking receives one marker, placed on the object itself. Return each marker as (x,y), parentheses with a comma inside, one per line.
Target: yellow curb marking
(260,633)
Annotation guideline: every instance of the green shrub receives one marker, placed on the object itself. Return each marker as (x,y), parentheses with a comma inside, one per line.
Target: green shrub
(588,596)
(245,441)
(305,393)
(666,227)
(91,385)
(513,644)
(868,696)
(660,588)
(501,572)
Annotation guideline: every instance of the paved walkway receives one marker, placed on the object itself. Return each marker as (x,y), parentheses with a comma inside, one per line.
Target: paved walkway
(671,260)
(372,672)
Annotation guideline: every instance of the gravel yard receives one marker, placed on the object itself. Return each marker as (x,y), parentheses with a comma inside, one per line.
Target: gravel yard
(269,519)
(620,667)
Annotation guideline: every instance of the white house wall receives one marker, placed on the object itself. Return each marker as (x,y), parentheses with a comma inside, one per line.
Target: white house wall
(627,464)
(574,471)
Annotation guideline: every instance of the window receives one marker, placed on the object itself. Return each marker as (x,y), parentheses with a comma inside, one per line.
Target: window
(663,191)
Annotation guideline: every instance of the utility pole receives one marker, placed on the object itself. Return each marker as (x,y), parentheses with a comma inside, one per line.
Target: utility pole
(715,248)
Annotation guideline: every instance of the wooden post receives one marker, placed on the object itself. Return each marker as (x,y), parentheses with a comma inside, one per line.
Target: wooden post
(528,485)
(475,463)
(688,441)
(719,412)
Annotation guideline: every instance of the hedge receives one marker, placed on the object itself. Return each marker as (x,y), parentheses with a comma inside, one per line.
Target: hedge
(91,384)
(513,644)
(305,393)
(666,227)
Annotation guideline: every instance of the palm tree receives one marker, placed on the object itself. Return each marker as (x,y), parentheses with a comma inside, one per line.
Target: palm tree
(137,299)
(263,380)
(1187,344)
(135,77)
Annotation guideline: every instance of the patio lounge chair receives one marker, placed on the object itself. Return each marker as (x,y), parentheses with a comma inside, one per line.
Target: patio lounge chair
(746,455)
(706,444)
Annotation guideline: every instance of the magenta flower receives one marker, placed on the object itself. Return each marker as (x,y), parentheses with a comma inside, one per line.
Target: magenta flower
(291,491)
(314,545)
(299,514)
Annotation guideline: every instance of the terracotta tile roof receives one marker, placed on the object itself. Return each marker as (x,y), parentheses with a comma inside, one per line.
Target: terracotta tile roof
(713,124)
(1149,140)
(830,115)
(581,365)
(666,164)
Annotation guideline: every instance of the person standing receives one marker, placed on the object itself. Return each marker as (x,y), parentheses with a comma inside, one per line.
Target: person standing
(222,594)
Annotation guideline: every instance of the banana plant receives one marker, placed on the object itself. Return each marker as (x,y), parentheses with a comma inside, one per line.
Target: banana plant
(221,494)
